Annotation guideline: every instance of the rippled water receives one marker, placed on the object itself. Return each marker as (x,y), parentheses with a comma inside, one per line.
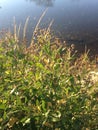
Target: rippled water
(76,21)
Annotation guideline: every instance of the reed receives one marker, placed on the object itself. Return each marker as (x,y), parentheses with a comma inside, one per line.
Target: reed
(15,29)
(49,27)
(39,21)
(18,32)
(25,27)
(37,25)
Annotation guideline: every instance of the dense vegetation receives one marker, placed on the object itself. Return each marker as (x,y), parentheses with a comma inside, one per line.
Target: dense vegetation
(45,86)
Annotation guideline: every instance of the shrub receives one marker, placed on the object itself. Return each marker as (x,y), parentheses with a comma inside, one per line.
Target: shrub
(44,87)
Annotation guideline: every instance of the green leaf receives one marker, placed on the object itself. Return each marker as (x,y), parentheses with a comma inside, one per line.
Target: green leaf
(2,106)
(43,105)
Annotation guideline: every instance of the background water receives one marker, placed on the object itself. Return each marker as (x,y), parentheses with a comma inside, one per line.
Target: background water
(75,21)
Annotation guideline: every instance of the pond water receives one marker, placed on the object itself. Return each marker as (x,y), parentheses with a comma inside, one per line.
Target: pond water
(75,21)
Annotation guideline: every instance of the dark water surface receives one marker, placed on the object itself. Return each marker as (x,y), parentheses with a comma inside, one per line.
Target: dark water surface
(76,21)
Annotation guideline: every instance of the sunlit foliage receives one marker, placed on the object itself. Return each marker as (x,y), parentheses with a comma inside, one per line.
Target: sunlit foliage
(45,87)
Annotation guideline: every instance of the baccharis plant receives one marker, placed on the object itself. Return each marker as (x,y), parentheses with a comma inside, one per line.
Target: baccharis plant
(45,86)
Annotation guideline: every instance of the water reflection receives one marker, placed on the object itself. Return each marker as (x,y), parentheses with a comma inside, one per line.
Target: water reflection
(75,21)
(47,3)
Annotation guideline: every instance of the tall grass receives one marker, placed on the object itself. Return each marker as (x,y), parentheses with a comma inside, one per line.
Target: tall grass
(39,21)
(25,28)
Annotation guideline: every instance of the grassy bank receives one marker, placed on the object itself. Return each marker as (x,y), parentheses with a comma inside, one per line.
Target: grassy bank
(45,86)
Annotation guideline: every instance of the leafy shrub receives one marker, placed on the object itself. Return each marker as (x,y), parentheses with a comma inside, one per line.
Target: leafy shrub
(44,87)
